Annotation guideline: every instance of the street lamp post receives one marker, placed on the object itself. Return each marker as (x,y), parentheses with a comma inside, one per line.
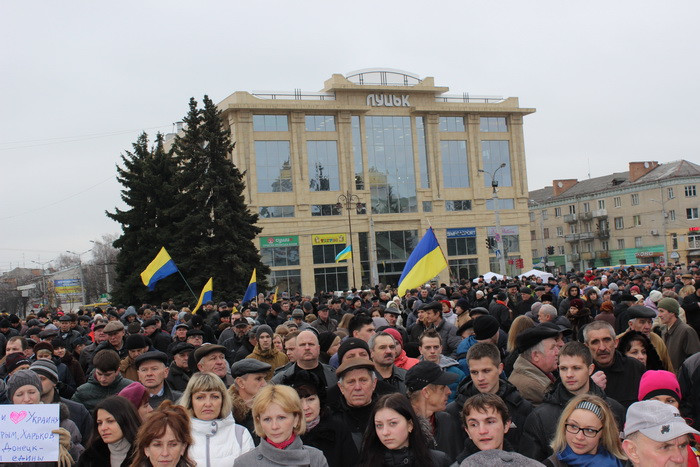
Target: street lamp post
(349,201)
(108,289)
(497,215)
(82,276)
(45,300)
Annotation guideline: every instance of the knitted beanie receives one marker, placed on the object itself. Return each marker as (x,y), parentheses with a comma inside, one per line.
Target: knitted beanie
(45,368)
(325,340)
(655,296)
(136,393)
(669,304)
(657,383)
(263,329)
(22,378)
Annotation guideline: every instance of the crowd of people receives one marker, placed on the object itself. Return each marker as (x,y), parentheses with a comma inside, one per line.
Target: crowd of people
(599,368)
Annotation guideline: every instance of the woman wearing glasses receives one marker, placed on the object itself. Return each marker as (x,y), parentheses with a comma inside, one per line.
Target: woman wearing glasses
(586,434)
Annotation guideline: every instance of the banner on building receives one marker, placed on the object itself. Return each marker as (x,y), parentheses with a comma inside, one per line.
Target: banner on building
(273,242)
(464,232)
(328,239)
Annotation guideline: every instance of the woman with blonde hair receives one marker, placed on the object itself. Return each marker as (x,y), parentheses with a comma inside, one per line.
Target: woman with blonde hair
(520,324)
(279,421)
(587,434)
(216,438)
(165,439)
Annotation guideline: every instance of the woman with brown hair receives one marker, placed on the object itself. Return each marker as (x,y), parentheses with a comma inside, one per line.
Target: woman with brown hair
(165,439)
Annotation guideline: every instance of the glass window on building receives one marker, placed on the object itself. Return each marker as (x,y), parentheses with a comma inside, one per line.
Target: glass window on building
(617,201)
(331,279)
(572,209)
(693,241)
(320,123)
(690,191)
(691,213)
(671,195)
(393,249)
(601,204)
(545,232)
(461,246)
(422,154)
(323,165)
(637,242)
(605,246)
(557,212)
(427,206)
(390,156)
(273,166)
(325,254)
(493,124)
(503,203)
(267,212)
(634,199)
(280,251)
(270,123)
(464,269)
(620,243)
(637,220)
(560,231)
(510,236)
(357,153)
(451,123)
(326,210)
(285,281)
(494,154)
(674,241)
(458,205)
(545,215)
(672,215)
(455,168)
(561,249)
(619,223)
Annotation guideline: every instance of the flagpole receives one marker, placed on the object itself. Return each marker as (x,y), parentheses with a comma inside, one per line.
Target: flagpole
(188,285)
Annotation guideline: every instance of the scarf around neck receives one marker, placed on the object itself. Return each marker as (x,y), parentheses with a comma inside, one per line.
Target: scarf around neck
(601,459)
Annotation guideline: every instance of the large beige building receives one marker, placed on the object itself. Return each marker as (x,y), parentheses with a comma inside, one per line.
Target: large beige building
(402,155)
(648,214)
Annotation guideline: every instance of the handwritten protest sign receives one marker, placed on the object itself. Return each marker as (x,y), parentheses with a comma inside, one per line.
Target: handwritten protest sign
(25,433)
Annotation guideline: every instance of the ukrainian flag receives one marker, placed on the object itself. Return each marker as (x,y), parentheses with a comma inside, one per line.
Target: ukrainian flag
(345,254)
(162,266)
(426,262)
(252,289)
(206,295)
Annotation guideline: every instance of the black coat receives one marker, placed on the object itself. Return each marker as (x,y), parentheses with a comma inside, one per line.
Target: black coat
(502,314)
(518,408)
(623,378)
(540,426)
(334,440)
(177,378)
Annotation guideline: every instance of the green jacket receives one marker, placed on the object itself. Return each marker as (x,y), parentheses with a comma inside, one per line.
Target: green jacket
(92,392)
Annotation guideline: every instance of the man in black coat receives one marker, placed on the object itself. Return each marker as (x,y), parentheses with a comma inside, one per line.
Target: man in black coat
(499,309)
(622,374)
(575,369)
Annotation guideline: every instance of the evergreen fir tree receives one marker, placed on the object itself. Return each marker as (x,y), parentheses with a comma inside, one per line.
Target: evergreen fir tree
(214,231)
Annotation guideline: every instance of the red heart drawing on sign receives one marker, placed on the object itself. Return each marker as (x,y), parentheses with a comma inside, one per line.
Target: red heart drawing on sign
(17,417)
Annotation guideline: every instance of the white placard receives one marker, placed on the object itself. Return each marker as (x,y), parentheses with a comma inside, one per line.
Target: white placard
(25,433)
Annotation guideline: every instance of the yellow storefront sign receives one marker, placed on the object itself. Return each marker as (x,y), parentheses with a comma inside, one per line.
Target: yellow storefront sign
(328,239)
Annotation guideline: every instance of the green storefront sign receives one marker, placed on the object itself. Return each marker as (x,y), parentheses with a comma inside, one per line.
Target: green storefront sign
(273,242)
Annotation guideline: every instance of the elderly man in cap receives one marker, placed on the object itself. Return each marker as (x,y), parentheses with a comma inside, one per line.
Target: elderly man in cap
(428,390)
(66,333)
(239,328)
(298,319)
(655,434)
(180,336)
(159,339)
(680,339)
(325,323)
(248,379)
(306,354)
(152,369)
(266,352)
(211,358)
(357,382)
(622,373)
(48,375)
(179,370)
(532,370)
(115,338)
(640,320)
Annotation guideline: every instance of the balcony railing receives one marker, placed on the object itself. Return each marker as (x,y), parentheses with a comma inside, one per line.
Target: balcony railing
(602,254)
(571,238)
(570,218)
(586,216)
(587,236)
(600,213)
(603,234)
(574,257)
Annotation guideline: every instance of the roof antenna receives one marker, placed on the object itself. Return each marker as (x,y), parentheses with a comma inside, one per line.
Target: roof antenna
(589,168)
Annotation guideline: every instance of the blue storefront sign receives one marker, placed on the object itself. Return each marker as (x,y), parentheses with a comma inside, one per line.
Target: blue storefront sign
(464,232)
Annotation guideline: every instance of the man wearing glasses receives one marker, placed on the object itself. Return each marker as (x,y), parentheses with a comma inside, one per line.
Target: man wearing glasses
(575,370)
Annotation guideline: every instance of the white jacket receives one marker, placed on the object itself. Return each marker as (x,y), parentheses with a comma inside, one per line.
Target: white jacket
(218,442)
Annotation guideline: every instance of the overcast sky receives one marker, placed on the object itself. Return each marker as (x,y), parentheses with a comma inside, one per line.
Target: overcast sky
(611,82)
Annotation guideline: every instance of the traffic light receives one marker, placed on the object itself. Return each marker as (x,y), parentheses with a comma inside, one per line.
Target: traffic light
(488,243)
(550,250)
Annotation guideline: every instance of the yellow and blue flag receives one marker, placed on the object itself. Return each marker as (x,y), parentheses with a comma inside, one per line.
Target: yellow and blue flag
(426,262)
(206,295)
(345,254)
(162,266)
(252,289)
(274,297)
